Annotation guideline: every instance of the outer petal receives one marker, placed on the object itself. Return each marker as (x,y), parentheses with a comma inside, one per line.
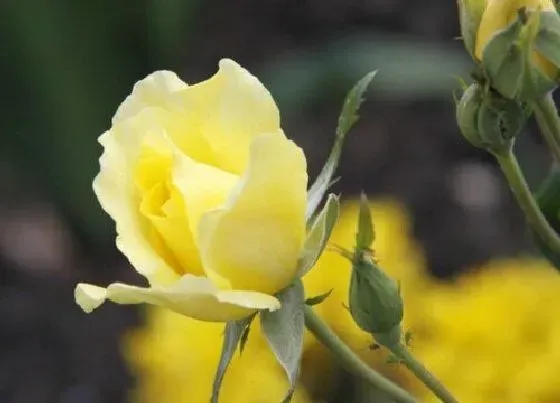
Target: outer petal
(255,240)
(191,296)
(233,107)
(116,190)
(156,89)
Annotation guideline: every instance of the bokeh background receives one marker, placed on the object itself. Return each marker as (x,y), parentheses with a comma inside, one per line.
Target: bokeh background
(480,304)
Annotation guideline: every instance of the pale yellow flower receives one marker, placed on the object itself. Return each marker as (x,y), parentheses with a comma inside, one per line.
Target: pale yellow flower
(175,358)
(498,14)
(207,193)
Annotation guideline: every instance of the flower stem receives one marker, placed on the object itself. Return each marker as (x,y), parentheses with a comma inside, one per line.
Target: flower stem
(525,199)
(549,123)
(422,373)
(350,361)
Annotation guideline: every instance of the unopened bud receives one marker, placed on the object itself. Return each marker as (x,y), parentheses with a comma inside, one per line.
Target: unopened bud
(375,301)
(489,121)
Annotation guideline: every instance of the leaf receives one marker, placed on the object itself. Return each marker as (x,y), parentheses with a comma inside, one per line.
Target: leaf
(233,333)
(318,298)
(318,236)
(284,331)
(548,199)
(348,116)
(366,233)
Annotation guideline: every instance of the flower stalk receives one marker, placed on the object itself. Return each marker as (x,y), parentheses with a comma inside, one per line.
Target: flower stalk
(351,361)
(535,218)
(416,367)
(548,120)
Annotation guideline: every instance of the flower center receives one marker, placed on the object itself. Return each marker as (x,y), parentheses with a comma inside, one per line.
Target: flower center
(162,205)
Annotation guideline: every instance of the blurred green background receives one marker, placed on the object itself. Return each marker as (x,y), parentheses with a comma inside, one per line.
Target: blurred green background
(66,66)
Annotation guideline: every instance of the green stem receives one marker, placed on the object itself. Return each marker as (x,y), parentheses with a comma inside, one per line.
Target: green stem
(525,199)
(549,123)
(422,373)
(350,361)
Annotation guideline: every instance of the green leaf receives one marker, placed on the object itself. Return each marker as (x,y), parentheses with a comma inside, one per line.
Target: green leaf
(284,331)
(366,233)
(348,116)
(548,199)
(318,298)
(318,235)
(233,333)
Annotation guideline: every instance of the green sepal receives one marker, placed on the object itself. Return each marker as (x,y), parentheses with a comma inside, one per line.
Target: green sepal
(235,332)
(470,15)
(284,330)
(500,121)
(366,233)
(488,120)
(507,61)
(466,114)
(316,300)
(318,235)
(502,59)
(374,298)
(548,199)
(547,41)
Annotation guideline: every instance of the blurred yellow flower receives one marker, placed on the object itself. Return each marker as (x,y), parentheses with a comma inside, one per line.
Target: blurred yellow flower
(175,357)
(492,336)
(195,179)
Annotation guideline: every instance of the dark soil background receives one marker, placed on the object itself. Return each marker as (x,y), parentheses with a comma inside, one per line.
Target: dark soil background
(65,67)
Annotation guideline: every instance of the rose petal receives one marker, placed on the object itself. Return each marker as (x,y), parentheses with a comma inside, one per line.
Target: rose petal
(255,240)
(191,296)
(233,107)
(154,90)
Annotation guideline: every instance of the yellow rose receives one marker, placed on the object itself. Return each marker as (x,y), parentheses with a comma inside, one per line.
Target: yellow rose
(207,193)
(498,14)
(174,358)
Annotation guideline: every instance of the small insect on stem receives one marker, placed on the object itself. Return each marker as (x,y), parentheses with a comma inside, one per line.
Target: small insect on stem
(408,338)
(374,346)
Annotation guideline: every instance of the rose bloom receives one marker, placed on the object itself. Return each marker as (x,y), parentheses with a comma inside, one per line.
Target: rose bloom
(174,358)
(207,193)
